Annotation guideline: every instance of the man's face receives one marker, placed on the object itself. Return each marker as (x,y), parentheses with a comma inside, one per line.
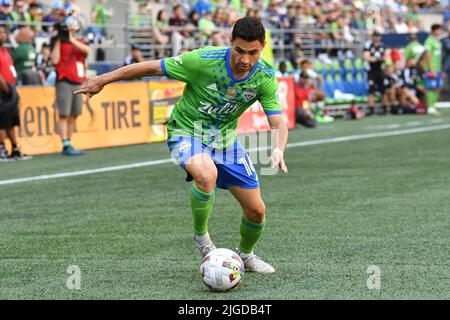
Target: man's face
(245,54)
(376,39)
(3,36)
(179,13)
(4,9)
(306,66)
(20,7)
(437,32)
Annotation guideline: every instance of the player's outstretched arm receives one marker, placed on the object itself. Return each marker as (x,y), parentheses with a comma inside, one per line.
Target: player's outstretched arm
(94,85)
(279,141)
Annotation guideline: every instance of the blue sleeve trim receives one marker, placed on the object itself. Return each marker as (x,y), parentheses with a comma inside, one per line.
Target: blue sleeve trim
(272,112)
(163,67)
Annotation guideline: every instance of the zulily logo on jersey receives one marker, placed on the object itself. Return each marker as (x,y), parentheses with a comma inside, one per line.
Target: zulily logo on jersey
(228,108)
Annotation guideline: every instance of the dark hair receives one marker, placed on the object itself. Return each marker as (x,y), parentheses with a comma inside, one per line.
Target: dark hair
(305,62)
(249,29)
(435,27)
(160,12)
(304,75)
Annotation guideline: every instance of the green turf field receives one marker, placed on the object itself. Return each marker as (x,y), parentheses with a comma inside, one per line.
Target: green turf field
(343,207)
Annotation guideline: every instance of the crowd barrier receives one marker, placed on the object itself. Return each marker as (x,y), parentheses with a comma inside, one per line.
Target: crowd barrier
(124,113)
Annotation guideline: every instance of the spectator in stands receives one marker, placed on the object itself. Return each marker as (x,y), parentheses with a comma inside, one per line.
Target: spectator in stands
(44,63)
(162,30)
(69,56)
(181,35)
(206,27)
(57,14)
(20,14)
(24,56)
(35,17)
(135,55)
(101,16)
(202,7)
(194,18)
(217,39)
(374,57)
(9,110)
(219,18)
(142,18)
(5,13)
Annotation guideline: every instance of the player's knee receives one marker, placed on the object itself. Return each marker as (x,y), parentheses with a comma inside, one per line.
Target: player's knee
(206,178)
(256,213)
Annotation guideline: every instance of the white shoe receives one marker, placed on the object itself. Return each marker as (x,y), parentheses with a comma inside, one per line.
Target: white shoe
(433,110)
(253,263)
(204,244)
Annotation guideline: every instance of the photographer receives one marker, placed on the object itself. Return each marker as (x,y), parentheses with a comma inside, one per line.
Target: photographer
(9,101)
(374,58)
(68,55)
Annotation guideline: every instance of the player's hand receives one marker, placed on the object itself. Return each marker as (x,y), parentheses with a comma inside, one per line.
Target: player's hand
(91,87)
(277,160)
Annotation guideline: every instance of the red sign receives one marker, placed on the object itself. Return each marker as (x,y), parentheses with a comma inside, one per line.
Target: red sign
(254,119)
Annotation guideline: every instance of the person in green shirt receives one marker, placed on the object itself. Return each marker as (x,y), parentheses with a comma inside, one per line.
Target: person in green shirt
(24,56)
(206,26)
(101,15)
(221,84)
(414,50)
(433,63)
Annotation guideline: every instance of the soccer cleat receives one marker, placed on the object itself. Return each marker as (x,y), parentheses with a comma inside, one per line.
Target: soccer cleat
(70,151)
(433,111)
(3,153)
(204,244)
(17,155)
(253,263)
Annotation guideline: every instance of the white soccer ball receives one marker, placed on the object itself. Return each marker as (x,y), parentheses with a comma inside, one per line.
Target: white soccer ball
(222,270)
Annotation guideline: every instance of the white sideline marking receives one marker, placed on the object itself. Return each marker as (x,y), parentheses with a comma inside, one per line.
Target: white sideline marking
(290,145)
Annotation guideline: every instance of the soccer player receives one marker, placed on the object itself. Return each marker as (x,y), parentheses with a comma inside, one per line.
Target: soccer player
(221,83)
(374,57)
(433,61)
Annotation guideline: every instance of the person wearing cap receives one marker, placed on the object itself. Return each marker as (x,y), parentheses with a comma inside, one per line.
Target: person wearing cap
(57,14)
(5,13)
(69,57)
(135,55)
(374,57)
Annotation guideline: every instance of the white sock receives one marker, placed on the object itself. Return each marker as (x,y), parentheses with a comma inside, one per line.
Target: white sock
(203,239)
(245,255)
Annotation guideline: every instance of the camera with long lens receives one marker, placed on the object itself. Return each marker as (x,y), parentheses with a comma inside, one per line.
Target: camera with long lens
(63,32)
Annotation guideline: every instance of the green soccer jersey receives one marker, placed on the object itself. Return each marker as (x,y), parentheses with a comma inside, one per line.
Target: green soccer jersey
(434,46)
(414,50)
(213,99)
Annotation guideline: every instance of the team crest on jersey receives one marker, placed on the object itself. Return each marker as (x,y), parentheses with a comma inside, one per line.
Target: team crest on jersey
(249,94)
(177,60)
(185,146)
(231,93)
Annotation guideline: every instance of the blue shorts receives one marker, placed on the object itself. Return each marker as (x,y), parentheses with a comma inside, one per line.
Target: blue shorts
(433,83)
(234,167)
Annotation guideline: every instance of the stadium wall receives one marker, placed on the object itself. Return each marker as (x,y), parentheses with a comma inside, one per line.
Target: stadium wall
(124,114)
